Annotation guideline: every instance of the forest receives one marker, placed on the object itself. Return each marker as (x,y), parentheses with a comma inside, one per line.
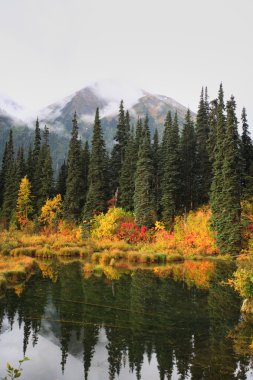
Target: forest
(145,184)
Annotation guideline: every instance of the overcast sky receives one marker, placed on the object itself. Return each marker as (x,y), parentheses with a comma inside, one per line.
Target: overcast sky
(51,48)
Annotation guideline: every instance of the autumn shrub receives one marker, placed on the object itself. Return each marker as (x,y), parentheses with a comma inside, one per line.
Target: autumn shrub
(131,233)
(194,235)
(51,213)
(106,225)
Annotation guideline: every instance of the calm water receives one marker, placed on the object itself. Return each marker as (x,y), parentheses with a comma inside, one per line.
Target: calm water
(136,326)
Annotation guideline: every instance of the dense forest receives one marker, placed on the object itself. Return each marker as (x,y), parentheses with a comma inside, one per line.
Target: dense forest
(206,162)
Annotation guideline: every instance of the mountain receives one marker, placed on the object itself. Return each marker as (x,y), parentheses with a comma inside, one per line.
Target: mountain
(85,101)
(106,96)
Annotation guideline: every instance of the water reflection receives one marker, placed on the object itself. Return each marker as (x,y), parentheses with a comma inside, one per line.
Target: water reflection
(138,324)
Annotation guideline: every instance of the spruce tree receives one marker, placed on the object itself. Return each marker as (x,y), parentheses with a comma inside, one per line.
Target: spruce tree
(86,163)
(156,157)
(170,177)
(229,233)
(212,121)
(144,206)
(74,197)
(203,165)
(97,178)
(29,164)
(187,149)
(62,179)
(10,182)
(247,157)
(47,186)
(138,134)
(216,196)
(118,151)
(35,180)
(127,175)
(20,164)
(3,174)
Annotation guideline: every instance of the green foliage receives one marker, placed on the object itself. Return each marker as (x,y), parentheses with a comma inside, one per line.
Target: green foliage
(74,197)
(127,175)
(187,149)
(106,225)
(144,206)
(14,373)
(203,165)
(119,148)
(170,178)
(97,178)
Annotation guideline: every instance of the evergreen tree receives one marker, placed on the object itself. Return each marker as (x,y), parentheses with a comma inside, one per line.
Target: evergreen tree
(202,158)
(170,178)
(62,179)
(36,173)
(156,156)
(216,196)
(247,157)
(118,151)
(211,141)
(44,177)
(229,235)
(97,178)
(86,163)
(138,134)
(10,183)
(187,151)
(144,206)
(127,175)
(74,197)
(20,164)
(29,164)
(127,123)
(3,174)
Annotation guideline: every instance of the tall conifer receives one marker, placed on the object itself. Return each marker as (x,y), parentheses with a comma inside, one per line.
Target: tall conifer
(170,178)
(144,206)
(127,175)
(229,232)
(202,158)
(247,157)
(74,197)
(118,151)
(97,178)
(216,196)
(187,149)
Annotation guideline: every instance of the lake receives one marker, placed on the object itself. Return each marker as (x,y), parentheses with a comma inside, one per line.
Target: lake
(180,322)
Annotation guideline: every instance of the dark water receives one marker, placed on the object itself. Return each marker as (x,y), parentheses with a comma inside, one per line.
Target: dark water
(136,326)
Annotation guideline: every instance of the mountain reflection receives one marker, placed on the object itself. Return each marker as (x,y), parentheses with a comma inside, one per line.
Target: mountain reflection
(192,332)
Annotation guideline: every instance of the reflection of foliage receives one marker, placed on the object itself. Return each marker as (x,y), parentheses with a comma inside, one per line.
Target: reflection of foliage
(49,270)
(242,336)
(242,280)
(191,272)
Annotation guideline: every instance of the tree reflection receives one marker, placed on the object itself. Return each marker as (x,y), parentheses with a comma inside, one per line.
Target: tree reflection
(191,324)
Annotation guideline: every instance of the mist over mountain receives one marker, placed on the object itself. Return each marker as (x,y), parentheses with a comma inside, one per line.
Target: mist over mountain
(58,116)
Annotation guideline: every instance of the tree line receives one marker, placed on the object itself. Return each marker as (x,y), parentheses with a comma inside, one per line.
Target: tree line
(207,161)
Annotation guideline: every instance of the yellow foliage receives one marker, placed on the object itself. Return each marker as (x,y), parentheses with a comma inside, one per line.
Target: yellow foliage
(51,212)
(24,207)
(106,225)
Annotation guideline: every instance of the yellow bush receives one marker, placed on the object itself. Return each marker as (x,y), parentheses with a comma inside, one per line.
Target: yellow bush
(106,225)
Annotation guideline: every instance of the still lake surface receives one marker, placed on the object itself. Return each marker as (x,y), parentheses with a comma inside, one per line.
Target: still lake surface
(125,324)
